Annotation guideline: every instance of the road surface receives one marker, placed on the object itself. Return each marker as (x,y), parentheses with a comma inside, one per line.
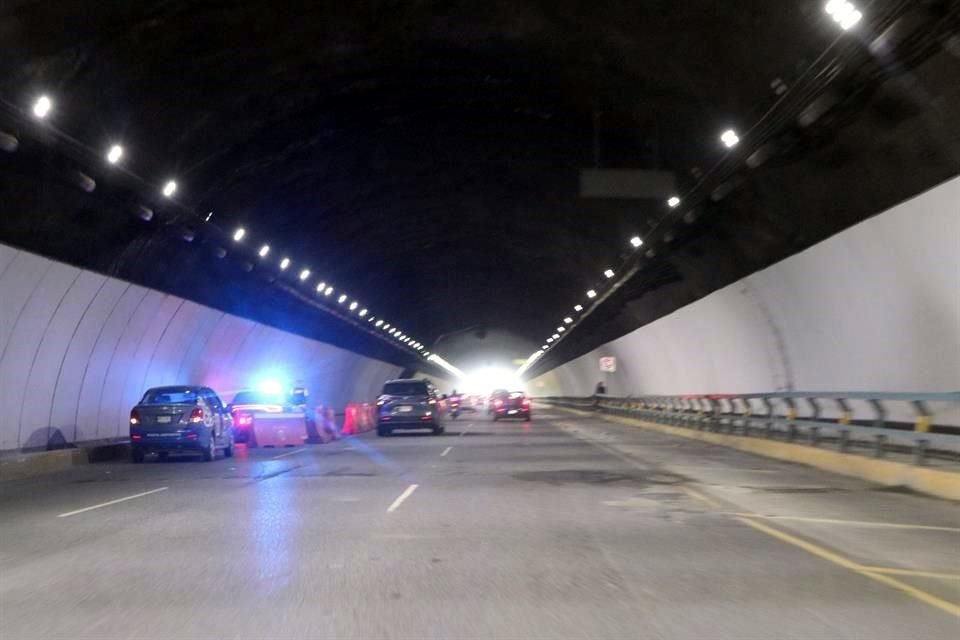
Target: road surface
(566,527)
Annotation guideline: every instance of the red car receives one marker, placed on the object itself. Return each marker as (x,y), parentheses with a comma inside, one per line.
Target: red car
(510,404)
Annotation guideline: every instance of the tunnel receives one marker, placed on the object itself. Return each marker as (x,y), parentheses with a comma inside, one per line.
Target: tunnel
(480,320)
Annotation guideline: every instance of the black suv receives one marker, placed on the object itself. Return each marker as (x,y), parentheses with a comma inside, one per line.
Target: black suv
(409,404)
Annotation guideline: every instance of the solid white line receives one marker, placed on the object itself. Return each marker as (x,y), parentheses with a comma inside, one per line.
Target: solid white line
(288,453)
(107,504)
(851,523)
(446,451)
(403,496)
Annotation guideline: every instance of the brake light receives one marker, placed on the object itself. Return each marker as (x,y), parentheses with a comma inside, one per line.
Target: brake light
(243,419)
(196,415)
(134,417)
(498,403)
(136,436)
(526,402)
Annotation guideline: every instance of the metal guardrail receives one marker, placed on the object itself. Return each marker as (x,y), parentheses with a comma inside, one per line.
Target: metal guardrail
(799,417)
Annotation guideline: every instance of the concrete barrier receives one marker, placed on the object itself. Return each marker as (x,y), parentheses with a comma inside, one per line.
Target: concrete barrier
(279,429)
(20,465)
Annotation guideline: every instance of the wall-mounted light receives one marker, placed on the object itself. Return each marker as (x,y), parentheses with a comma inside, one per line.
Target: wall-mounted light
(170,188)
(591,294)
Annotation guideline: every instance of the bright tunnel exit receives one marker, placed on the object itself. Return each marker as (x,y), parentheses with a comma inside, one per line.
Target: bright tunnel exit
(484,380)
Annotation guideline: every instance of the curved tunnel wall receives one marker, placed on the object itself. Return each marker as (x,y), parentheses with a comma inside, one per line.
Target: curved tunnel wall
(875,307)
(77,350)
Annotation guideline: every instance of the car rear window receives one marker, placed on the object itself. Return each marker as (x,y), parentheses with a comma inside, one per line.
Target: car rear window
(405,389)
(170,396)
(256,397)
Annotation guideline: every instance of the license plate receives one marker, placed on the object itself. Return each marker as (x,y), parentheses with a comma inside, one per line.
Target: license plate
(162,435)
(512,411)
(404,409)
(164,418)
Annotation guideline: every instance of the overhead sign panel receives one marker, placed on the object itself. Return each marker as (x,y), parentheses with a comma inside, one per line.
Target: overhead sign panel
(631,184)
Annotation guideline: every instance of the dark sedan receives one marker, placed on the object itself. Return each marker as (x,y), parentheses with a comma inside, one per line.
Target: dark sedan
(183,419)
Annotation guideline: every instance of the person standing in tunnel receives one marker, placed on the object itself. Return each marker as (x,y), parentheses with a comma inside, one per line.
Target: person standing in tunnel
(601,389)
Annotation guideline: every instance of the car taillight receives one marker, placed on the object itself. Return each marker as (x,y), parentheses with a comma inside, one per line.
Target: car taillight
(243,419)
(526,402)
(134,417)
(196,415)
(498,403)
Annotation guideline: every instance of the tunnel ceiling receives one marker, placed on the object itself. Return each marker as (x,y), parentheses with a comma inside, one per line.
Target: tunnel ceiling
(424,156)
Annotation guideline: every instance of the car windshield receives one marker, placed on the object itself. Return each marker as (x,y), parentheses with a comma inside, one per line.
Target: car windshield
(405,389)
(257,397)
(180,395)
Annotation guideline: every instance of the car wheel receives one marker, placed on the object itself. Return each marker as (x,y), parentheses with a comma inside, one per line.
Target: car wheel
(228,450)
(438,431)
(383,433)
(210,453)
(136,457)
(526,418)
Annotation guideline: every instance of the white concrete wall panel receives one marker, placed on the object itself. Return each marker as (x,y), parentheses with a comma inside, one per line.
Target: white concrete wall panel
(873,308)
(38,396)
(65,407)
(77,350)
(24,339)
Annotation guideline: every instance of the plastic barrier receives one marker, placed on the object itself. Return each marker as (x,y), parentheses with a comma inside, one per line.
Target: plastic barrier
(351,420)
(366,422)
(279,429)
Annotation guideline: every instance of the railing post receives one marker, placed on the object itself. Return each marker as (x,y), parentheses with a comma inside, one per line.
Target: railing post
(880,413)
(791,416)
(843,442)
(745,415)
(879,446)
(768,427)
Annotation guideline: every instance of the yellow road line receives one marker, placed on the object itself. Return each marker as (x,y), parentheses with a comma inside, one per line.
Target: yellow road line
(839,560)
(707,500)
(912,572)
(852,523)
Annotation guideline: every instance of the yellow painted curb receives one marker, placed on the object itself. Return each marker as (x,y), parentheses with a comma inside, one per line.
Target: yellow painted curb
(934,482)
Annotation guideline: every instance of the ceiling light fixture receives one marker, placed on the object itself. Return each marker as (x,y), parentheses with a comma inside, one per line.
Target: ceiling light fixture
(264,250)
(170,188)
(636,242)
(843,13)
(673,201)
(42,107)
(239,234)
(568,320)
(609,273)
(114,154)
(578,308)
(354,305)
(328,291)
(591,294)
(342,298)
(304,274)
(284,264)
(729,138)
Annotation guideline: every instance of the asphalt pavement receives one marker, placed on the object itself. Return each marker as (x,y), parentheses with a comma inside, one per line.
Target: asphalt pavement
(565,527)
